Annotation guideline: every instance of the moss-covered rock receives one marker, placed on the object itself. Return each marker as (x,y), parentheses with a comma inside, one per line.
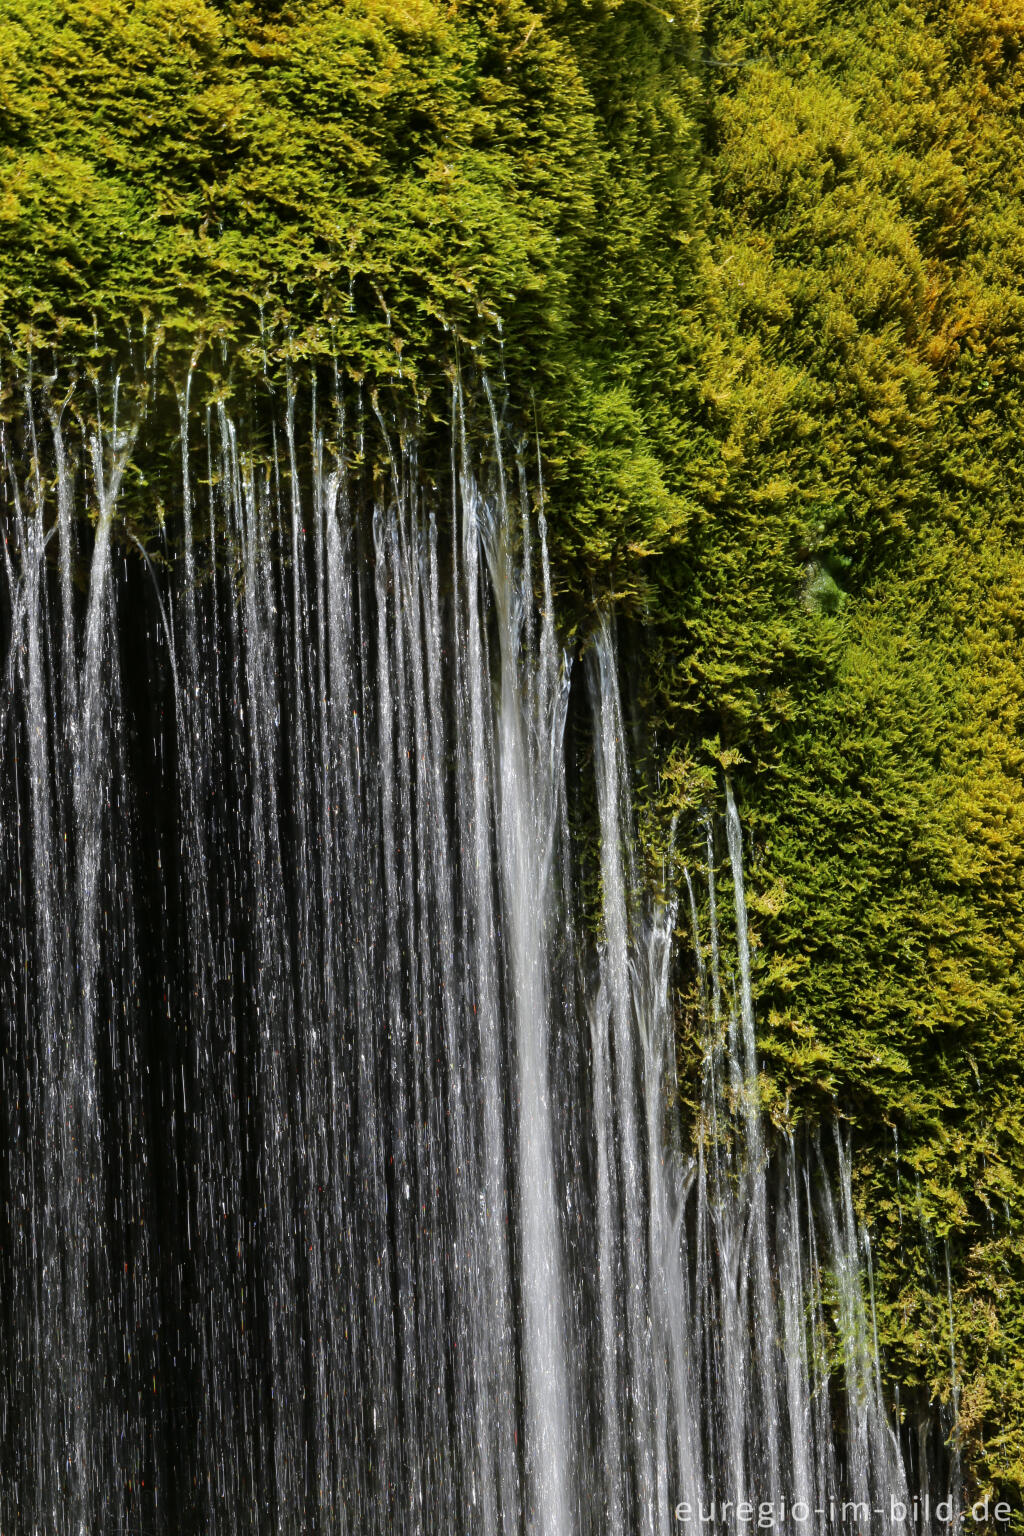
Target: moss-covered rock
(753,278)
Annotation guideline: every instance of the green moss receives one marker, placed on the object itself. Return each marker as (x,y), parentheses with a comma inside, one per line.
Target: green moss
(845,619)
(359,174)
(394,185)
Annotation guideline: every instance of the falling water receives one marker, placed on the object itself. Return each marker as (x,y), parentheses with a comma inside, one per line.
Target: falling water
(347,1184)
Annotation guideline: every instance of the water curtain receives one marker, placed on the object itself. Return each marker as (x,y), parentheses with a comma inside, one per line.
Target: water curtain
(347,1183)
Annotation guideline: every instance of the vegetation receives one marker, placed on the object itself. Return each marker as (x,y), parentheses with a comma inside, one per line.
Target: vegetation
(854,606)
(757,279)
(392,184)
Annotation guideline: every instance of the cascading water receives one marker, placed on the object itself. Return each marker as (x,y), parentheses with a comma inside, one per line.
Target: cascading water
(345,1188)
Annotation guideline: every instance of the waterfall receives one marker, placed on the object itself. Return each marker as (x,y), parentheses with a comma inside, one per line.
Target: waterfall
(347,1182)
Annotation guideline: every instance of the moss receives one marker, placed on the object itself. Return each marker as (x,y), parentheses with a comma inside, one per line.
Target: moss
(397,186)
(845,618)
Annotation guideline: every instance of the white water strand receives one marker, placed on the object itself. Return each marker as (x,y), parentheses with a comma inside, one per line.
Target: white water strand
(76,1443)
(495,1336)
(757,1260)
(528,751)
(618,986)
(767,1407)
